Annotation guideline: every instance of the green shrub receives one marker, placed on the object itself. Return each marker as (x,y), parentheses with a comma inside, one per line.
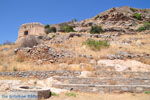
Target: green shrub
(49,29)
(141,28)
(71,94)
(15,69)
(96,17)
(96,30)
(66,28)
(146,26)
(53,29)
(138,16)
(133,9)
(96,45)
(46,26)
(147,92)
(54,94)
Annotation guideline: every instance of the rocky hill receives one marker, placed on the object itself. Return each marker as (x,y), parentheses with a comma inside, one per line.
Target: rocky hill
(115,19)
(112,58)
(124,19)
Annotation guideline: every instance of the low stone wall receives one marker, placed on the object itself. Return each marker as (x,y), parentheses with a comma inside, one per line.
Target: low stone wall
(104,88)
(46,74)
(114,74)
(104,81)
(40,74)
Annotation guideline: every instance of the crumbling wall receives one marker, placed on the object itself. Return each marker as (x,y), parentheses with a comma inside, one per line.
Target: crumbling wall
(35,29)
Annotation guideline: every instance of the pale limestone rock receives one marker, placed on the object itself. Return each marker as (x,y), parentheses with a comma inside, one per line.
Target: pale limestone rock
(122,65)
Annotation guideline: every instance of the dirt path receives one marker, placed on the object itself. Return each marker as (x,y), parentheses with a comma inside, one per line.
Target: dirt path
(85,96)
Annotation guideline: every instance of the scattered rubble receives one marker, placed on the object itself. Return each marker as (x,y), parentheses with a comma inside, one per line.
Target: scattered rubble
(126,55)
(44,53)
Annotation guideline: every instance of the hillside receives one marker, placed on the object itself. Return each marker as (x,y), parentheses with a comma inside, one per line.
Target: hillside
(121,18)
(124,19)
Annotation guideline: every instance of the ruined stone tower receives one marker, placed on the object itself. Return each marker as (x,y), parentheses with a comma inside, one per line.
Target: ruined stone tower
(36,29)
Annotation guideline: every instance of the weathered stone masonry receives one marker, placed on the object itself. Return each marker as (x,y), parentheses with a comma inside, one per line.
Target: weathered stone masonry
(36,29)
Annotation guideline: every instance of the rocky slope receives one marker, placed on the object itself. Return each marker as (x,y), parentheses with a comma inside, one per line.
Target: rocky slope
(118,19)
(122,19)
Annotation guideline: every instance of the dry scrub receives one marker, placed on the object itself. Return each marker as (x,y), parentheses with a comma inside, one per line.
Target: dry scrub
(140,43)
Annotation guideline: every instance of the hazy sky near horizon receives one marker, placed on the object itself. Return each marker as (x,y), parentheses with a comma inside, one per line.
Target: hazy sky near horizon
(13,13)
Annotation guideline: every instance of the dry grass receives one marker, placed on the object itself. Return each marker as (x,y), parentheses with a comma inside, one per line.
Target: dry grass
(11,62)
(140,43)
(88,96)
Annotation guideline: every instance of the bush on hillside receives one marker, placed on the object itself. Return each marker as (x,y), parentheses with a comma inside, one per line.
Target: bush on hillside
(96,30)
(96,45)
(138,16)
(146,26)
(49,29)
(46,26)
(66,28)
(133,9)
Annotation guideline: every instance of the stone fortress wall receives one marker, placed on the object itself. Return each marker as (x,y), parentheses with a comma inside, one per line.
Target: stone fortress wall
(36,29)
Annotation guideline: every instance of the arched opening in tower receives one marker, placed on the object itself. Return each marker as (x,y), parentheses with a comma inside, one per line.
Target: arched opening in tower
(26,32)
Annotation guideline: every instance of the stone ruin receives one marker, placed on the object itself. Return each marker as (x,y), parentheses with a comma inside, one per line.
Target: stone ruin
(35,29)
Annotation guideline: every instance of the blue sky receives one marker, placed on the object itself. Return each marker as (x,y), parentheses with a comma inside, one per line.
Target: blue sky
(13,13)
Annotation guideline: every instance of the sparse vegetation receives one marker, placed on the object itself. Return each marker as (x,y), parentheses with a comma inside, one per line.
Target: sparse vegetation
(147,92)
(138,16)
(142,28)
(46,26)
(54,94)
(49,29)
(96,30)
(96,45)
(96,17)
(66,28)
(71,94)
(146,26)
(15,69)
(133,9)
